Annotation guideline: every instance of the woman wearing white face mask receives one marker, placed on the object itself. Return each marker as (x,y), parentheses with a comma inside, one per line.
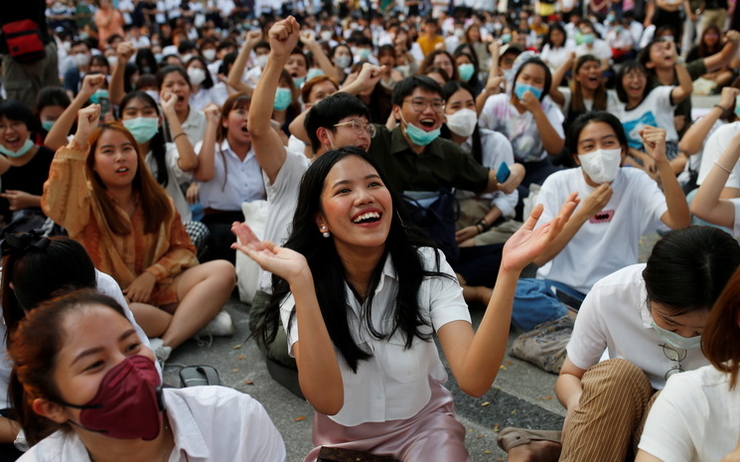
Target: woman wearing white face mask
(482,218)
(201,83)
(618,205)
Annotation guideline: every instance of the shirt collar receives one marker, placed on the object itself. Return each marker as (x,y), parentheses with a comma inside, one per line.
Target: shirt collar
(188,436)
(399,144)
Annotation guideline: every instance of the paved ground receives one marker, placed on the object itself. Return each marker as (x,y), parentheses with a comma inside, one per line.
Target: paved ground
(521,396)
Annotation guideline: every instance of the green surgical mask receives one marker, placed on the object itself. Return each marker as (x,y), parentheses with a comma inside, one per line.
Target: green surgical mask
(283,98)
(465,71)
(143,128)
(418,136)
(24,149)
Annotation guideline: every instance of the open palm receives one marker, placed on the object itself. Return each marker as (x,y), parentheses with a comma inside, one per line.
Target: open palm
(286,263)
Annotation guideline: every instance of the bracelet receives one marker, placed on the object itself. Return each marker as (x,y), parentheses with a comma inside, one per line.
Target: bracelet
(484,225)
(479,227)
(723,167)
(179,134)
(721,107)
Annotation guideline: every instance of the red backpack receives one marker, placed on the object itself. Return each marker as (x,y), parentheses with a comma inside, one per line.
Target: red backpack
(24,40)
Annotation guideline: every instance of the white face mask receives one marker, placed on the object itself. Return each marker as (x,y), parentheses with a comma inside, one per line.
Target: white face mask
(462,122)
(112,61)
(601,165)
(209,54)
(82,59)
(326,35)
(197,75)
(261,61)
(186,58)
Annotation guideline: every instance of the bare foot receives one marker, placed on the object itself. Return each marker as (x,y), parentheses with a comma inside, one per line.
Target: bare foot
(536,451)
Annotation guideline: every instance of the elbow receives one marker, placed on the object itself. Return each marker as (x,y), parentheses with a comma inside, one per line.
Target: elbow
(327,403)
(188,165)
(476,389)
(203,177)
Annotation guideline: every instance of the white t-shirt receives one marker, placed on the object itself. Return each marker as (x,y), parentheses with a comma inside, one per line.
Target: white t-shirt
(600,49)
(614,317)
(655,110)
(106,285)
(713,149)
(210,423)
(555,57)
(736,227)
(609,240)
(282,197)
(234,182)
(612,101)
(521,129)
(696,418)
(495,149)
(394,382)
(176,177)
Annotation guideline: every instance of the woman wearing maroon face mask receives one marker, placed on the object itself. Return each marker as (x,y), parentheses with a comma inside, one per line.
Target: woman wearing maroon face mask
(83,378)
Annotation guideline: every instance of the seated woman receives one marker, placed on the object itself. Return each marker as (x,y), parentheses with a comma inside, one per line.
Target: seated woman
(34,270)
(484,219)
(68,353)
(104,198)
(24,167)
(228,173)
(712,42)
(709,203)
(619,205)
(650,325)
(361,297)
(695,416)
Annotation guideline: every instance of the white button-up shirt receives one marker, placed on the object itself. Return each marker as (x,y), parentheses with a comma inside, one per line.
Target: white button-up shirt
(394,382)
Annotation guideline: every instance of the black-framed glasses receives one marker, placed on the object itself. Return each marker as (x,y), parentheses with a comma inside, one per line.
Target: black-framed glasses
(419,104)
(359,127)
(676,355)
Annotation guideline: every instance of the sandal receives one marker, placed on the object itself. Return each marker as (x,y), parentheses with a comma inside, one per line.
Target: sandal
(511,437)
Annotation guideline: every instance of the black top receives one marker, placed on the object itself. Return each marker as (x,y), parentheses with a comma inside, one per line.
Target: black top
(28,178)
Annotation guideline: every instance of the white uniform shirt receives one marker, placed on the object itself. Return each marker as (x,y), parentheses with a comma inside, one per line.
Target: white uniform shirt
(713,149)
(614,316)
(210,423)
(282,197)
(736,227)
(235,182)
(495,149)
(655,110)
(194,126)
(696,418)
(394,382)
(176,177)
(609,240)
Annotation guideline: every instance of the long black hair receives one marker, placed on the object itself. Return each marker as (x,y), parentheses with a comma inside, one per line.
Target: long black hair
(401,246)
(157,143)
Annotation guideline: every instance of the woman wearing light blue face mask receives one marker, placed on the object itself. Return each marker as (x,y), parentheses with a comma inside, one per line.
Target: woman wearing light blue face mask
(24,166)
(170,163)
(637,327)
(286,106)
(50,104)
(530,120)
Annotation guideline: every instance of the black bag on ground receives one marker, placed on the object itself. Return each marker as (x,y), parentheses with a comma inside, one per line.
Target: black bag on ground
(193,376)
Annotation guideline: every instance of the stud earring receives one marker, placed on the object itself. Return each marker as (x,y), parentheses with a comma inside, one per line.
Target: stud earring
(325,232)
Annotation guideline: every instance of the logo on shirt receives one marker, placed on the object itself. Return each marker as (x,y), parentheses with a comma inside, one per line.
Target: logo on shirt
(605,216)
(633,127)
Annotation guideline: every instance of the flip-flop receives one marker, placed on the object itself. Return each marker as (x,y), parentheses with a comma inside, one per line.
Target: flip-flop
(511,437)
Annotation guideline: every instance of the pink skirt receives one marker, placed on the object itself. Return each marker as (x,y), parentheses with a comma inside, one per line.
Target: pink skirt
(434,433)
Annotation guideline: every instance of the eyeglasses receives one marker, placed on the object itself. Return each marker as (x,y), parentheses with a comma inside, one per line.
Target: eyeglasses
(419,104)
(674,355)
(359,127)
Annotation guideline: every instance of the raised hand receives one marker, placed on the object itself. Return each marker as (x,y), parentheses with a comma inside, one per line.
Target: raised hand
(727,97)
(212,113)
(308,39)
(527,243)
(253,38)
(596,201)
(286,263)
(87,121)
(654,140)
(124,51)
(283,36)
(91,83)
(168,100)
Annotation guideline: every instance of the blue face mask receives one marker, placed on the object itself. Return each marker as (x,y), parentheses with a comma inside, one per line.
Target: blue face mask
(143,128)
(465,71)
(676,341)
(505,38)
(588,39)
(521,88)
(283,98)
(24,149)
(364,53)
(47,124)
(99,95)
(314,72)
(298,81)
(737,106)
(418,136)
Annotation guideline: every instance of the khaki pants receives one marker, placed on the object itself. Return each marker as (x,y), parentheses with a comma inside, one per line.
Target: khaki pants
(708,18)
(473,210)
(616,398)
(23,81)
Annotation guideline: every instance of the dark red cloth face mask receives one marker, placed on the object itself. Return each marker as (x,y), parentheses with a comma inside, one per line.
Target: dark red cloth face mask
(128,404)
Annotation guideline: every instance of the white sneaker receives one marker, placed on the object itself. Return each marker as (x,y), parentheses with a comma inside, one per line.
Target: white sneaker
(220,326)
(161,351)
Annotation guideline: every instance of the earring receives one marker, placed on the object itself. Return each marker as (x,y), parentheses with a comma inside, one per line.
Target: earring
(325,232)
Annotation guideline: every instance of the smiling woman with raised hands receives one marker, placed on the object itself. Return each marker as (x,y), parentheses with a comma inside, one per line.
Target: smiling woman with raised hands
(360,297)
(109,202)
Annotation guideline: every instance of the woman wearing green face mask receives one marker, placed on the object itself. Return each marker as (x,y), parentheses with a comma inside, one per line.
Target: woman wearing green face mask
(24,166)
(467,67)
(170,163)
(286,106)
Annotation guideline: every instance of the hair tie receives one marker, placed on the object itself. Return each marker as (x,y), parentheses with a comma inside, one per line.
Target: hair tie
(23,242)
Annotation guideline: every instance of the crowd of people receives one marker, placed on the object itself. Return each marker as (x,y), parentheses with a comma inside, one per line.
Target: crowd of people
(407,161)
